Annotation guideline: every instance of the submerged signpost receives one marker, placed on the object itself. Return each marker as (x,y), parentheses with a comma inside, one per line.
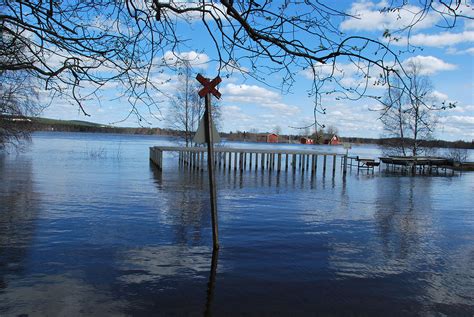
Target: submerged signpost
(206,92)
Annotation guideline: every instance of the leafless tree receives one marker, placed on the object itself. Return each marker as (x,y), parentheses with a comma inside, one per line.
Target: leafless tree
(78,47)
(394,119)
(408,113)
(421,121)
(18,95)
(186,107)
(458,155)
(277,130)
(331,130)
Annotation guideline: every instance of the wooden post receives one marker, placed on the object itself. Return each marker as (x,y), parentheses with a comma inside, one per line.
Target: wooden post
(333,165)
(250,161)
(161,160)
(197,160)
(241,161)
(262,163)
(235,160)
(324,164)
(256,161)
(279,163)
(286,162)
(210,170)
(345,166)
(202,161)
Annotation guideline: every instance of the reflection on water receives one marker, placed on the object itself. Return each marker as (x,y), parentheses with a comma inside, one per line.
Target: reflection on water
(211,285)
(58,295)
(18,212)
(115,236)
(151,264)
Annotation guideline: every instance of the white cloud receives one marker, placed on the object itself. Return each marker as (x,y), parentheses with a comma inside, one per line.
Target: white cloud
(438,40)
(235,113)
(353,119)
(463,109)
(439,96)
(258,96)
(469,24)
(457,123)
(231,112)
(337,70)
(281,107)
(429,64)
(367,16)
(167,83)
(234,118)
(197,60)
(249,93)
(345,76)
(251,106)
(467,121)
(458,127)
(454,51)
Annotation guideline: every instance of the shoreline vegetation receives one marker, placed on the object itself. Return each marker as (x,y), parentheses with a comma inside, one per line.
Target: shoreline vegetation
(46,124)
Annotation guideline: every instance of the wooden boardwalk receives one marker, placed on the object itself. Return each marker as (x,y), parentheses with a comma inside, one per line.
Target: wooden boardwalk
(240,159)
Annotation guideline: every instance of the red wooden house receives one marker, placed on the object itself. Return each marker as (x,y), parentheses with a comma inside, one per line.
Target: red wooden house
(304,140)
(272,138)
(334,140)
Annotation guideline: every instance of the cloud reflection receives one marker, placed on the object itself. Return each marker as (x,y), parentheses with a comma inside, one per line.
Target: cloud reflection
(151,264)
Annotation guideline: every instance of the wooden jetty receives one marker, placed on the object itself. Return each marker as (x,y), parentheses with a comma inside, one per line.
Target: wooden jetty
(238,159)
(417,163)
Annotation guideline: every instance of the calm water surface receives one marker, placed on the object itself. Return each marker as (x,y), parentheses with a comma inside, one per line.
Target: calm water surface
(89,227)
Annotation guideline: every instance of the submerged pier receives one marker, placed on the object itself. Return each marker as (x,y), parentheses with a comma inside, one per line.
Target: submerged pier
(240,159)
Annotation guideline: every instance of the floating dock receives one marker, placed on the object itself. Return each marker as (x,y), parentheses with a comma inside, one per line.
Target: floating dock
(252,159)
(422,164)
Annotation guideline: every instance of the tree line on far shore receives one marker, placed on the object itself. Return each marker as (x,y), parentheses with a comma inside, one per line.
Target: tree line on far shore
(41,124)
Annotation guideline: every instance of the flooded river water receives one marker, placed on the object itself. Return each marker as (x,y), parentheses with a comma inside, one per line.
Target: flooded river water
(89,227)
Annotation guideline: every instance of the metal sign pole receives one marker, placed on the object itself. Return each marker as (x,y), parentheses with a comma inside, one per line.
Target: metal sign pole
(210,169)
(208,89)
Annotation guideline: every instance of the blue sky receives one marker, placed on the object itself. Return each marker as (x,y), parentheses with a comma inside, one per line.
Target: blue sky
(446,55)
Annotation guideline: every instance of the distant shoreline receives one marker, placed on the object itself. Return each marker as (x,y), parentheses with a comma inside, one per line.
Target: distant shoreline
(45,124)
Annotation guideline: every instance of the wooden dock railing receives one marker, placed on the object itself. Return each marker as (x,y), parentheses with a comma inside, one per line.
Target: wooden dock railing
(250,159)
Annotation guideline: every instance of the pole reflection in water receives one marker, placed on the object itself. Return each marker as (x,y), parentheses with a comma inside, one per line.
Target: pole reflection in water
(211,285)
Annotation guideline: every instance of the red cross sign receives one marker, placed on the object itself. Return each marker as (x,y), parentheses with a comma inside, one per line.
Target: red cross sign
(209,86)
